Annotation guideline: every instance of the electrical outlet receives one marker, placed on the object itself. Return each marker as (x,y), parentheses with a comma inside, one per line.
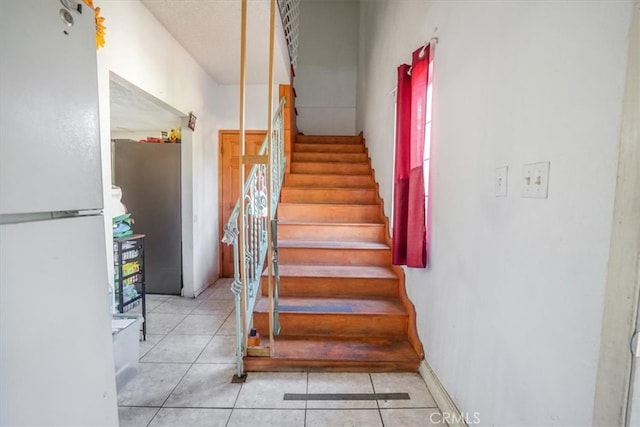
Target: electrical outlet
(501,181)
(535,180)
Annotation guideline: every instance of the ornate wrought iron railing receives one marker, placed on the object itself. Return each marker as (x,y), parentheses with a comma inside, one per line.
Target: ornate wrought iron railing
(260,207)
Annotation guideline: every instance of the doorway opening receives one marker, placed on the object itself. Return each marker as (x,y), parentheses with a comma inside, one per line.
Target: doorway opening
(146,167)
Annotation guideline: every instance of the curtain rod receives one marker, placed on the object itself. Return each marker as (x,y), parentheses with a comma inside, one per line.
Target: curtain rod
(424,47)
(426,44)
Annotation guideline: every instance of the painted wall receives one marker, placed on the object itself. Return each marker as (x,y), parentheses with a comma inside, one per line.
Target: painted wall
(142,52)
(256,106)
(510,310)
(326,75)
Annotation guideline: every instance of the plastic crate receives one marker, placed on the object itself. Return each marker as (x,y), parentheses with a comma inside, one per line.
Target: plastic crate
(125,331)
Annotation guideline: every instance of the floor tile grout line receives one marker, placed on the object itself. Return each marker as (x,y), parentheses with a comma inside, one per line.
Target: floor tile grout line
(190,365)
(373,386)
(154,415)
(306,404)
(235,402)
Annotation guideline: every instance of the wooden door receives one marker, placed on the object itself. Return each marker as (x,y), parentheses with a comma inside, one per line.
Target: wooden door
(229,183)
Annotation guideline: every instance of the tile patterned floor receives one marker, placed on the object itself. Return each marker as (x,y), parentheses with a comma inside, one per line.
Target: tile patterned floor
(187,362)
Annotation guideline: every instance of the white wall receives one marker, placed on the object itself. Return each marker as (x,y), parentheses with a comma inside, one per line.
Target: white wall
(326,75)
(140,50)
(510,310)
(256,106)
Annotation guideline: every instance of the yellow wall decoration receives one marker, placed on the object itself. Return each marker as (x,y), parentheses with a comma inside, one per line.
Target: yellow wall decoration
(99,24)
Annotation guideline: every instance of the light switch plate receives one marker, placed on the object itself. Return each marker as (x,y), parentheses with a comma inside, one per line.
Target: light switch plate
(535,180)
(501,181)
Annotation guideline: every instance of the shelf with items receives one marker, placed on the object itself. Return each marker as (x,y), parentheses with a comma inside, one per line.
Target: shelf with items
(129,277)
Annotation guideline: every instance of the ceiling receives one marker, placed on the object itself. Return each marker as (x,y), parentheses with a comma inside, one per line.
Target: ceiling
(210,31)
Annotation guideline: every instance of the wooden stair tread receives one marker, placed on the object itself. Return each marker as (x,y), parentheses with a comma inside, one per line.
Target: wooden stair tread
(364,348)
(331,202)
(319,188)
(361,354)
(330,212)
(325,175)
(331,169)
(304,157)
(326,271)
(327,147)
(312,180)
(323,204)
(333,224)
(319,306)
(342,139)
(348,195)
(317,159)
(330,244)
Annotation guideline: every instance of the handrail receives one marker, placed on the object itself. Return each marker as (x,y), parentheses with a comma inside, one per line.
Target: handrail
(256,222)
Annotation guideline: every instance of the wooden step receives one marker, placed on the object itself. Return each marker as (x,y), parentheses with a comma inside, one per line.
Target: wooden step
(329,139)
(340,298)
(306,212)
(335,317)
(328,148)
(324,181)
(333,253)
(363,196)
(331,157)
(335,354)
(335,281)
(339,232)
(326,168)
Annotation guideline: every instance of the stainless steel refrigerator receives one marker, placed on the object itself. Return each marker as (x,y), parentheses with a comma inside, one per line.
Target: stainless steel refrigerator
(56,356)
(149,175)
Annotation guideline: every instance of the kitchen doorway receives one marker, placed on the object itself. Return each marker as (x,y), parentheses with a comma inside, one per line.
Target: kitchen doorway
(146,165)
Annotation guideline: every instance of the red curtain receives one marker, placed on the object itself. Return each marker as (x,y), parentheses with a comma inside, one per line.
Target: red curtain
(409,229)
(402,167)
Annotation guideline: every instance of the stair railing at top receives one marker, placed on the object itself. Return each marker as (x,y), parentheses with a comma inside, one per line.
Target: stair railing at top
(269,165)
(290,15)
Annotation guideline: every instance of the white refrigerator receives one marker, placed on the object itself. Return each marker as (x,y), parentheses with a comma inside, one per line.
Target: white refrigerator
(56,357)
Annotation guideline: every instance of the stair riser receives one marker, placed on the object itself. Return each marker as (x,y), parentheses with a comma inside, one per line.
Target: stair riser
(334,287)
(332,181)
(331,157)
(322,256)
(328,148)
(335,324)
(331,168)
(339,233)
(329,213)
(309,195)
(334,139)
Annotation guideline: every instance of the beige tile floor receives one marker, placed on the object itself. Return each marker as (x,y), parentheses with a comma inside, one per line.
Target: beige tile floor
(187,362)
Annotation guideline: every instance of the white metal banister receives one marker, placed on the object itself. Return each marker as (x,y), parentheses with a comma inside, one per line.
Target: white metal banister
(254,202)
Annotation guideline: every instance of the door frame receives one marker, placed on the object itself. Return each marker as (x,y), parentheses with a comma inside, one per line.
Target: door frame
(614,385)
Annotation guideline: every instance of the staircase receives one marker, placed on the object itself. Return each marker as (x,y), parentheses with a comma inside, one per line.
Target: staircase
(342,305)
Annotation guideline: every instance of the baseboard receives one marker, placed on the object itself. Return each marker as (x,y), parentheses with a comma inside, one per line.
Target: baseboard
(201,290)
(449,410)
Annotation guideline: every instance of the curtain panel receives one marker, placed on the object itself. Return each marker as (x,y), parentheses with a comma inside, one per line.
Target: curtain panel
(409,243)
